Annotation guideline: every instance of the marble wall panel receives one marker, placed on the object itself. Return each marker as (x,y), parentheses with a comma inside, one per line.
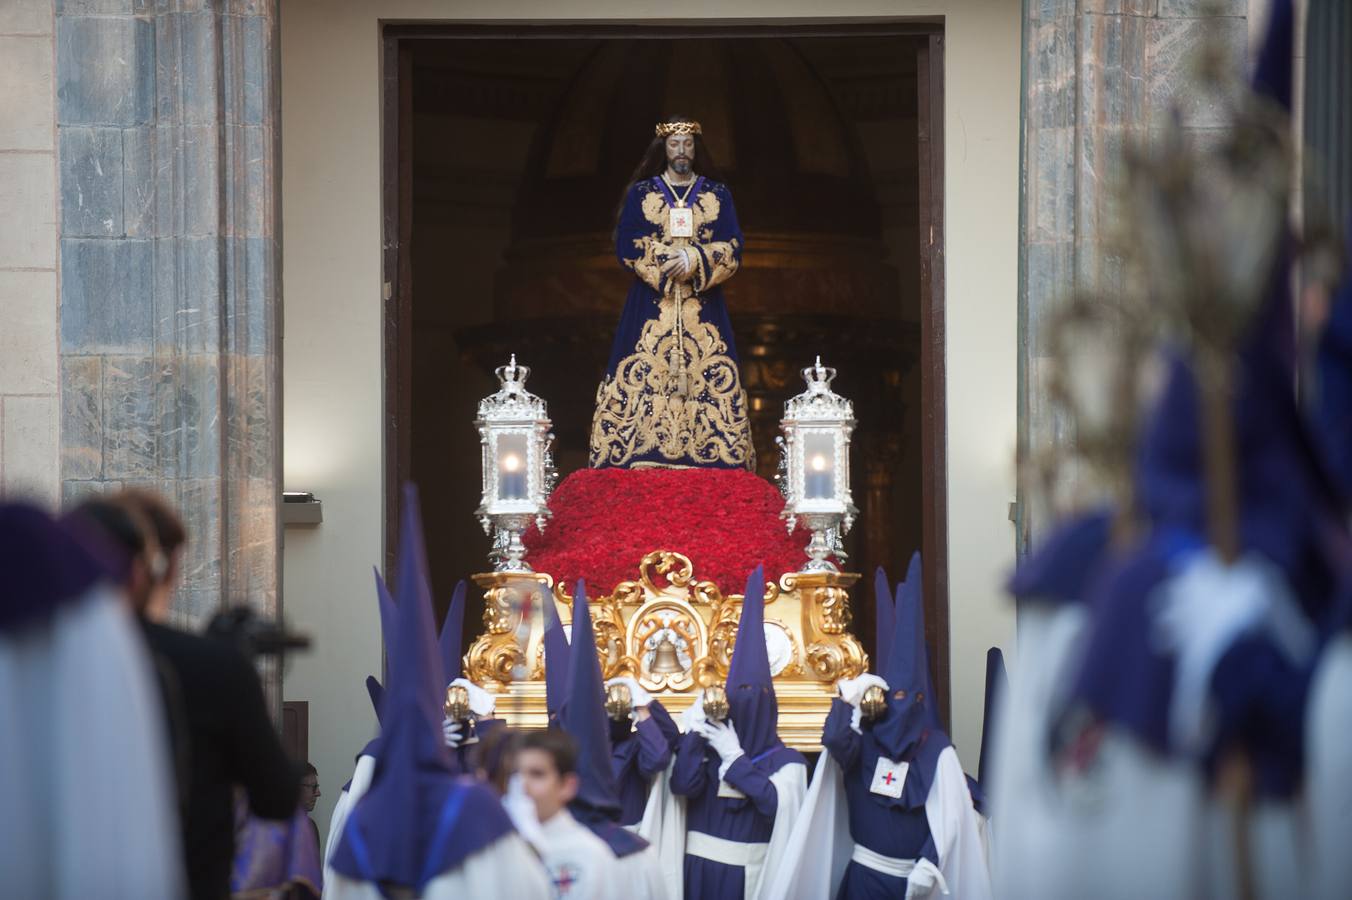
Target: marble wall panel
(82,418)
(105,70)
(91,182)
(107,292)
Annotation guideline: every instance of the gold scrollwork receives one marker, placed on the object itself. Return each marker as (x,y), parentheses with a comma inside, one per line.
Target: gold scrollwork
(608,626)
(673,568)
(812,609)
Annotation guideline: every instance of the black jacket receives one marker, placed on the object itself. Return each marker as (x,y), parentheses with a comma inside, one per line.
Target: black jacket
(222,736)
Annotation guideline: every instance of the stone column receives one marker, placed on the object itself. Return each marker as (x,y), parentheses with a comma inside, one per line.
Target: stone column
(168,132)
(1097,74)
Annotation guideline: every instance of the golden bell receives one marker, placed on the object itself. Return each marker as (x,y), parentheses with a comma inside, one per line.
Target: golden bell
(665,660)
(619,701)
(715,703)
(456,706)
(874,702)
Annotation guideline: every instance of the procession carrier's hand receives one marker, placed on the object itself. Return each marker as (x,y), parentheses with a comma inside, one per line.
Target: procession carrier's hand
(450,729)
(723,738)
(852,689)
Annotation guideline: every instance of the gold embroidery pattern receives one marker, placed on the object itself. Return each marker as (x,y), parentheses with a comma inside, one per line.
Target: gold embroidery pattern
(637,412)
(699,412)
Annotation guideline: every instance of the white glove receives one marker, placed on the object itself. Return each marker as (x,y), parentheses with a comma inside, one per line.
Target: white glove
(852,689)
(450,729)
(723,738)
(694,717)
(636,691)
(480,700)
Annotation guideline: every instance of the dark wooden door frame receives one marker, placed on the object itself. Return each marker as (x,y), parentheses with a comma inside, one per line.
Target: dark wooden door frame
(396,173)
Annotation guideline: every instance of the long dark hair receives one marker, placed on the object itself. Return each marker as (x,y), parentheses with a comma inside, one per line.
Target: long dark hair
(654,163)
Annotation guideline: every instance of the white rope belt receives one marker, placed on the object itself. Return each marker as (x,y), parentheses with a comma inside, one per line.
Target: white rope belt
(721,850)
(920,873)
(888,865)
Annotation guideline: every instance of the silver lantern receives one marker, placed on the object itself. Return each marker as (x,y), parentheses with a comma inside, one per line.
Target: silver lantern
(517,466)
(816,466)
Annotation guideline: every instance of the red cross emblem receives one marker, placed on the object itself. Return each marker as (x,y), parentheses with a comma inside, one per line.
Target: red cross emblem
(888,779)
(565,880)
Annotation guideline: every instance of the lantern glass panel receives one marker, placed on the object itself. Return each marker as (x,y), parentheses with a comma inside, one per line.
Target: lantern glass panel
(512,471)
(819,466)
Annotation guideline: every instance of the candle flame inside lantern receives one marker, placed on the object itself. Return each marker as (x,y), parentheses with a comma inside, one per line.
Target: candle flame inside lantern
(511,462)
(819,463)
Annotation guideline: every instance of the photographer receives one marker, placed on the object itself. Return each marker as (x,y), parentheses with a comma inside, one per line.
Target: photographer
(219,725)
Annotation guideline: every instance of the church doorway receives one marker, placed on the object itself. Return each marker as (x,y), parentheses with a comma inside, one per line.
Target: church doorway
(505,153)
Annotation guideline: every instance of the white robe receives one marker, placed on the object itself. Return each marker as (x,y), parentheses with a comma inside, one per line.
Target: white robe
(505,868)
(1133,822)
(641,875)
(86,779)
(819,849)
(1025,793)
(663,827)
(1329,772)
(580,864)
(361,780)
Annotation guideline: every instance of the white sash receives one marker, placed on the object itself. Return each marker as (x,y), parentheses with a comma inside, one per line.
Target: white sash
(721,850)
(888,865)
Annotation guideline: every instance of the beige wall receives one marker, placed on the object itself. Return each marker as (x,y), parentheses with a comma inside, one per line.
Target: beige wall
(332,370)
(29,458)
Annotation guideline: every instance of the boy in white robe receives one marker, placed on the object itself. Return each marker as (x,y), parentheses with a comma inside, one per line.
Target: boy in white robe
(580,864)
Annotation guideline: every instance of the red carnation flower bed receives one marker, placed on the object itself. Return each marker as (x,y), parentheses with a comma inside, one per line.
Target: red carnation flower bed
(605,520)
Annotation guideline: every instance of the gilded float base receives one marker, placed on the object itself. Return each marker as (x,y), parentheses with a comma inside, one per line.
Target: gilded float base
(673,634)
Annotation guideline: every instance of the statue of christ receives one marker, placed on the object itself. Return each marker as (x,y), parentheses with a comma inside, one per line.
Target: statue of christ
(672,395)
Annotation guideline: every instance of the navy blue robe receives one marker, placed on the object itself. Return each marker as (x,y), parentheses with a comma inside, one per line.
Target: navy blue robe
(895,827)
(747,820)
(672,395)
(640,755)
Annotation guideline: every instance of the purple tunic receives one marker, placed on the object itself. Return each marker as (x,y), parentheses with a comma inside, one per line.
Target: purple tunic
(892,827)
(746,820)
(639,756)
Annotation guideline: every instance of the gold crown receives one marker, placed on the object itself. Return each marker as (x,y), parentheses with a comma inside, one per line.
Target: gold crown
(667,129)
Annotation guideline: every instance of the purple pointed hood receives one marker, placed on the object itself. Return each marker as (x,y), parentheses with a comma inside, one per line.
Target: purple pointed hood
(387,619)
(584,716)
(1060,569)
(909,730)
(376,691)
(911,704)
(46,563)
(452,631)
(997,689)
(418,819)
(885,620)
(556,659)
(751,690)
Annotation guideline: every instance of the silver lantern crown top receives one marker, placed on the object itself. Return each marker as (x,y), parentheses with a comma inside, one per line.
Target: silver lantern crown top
(518,468)
(817,425)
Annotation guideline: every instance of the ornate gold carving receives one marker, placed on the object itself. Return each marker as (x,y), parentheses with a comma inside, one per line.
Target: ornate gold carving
(494,656)
(637,413)
(667,601)
(832,653)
